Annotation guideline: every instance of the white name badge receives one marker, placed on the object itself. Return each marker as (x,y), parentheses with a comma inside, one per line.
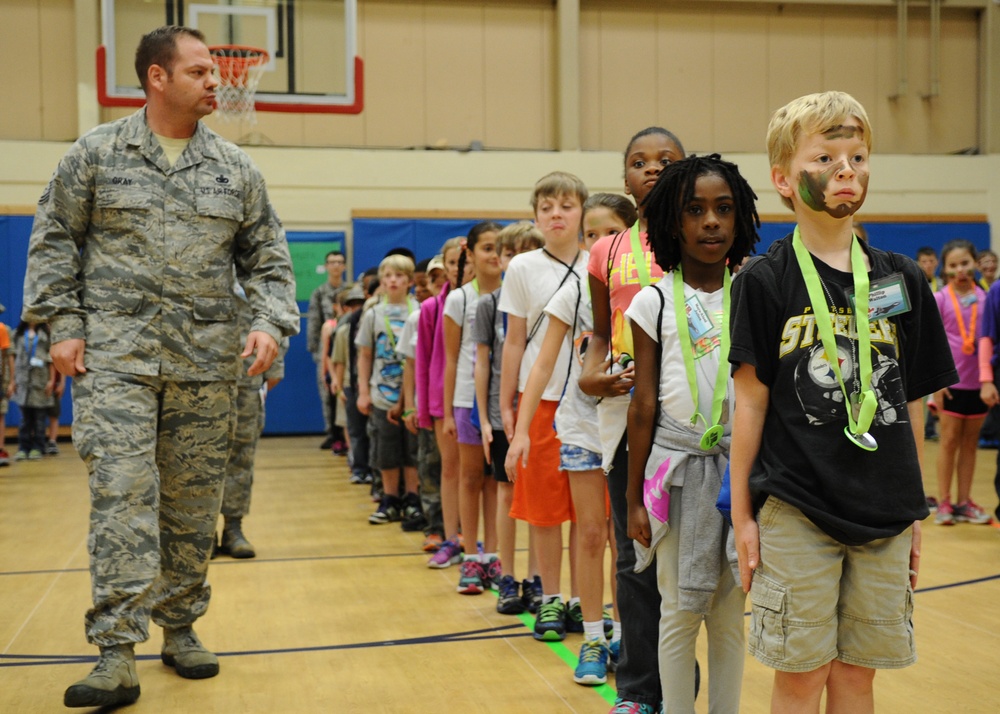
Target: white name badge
(699,321)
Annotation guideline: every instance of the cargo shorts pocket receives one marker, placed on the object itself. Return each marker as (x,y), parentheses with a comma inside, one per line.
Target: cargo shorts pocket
(767,617)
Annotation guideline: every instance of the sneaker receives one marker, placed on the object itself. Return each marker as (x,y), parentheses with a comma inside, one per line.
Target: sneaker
(183,651)
(432,543)
(339,448)
(447,555)
(387,511)
(625,706)
(113,681)
(531,594)
(970,512)
(20,456)
(327,443)
(471,578)
(550,624)
(358,477)
(509,602)
(615,653)
(945,515)
(932,504)
(4,457)
(34,455)
(51,448)
(412,514)
(574,617)
(494,572)
(593,665)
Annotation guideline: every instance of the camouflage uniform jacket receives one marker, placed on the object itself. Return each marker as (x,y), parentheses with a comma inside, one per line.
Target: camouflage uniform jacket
(136,256)
(321,304)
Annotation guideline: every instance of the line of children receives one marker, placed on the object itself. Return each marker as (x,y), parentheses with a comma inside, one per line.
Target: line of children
(702,222)
(570,317)
(488,332)
(476,493)
(619,267)
(6,370)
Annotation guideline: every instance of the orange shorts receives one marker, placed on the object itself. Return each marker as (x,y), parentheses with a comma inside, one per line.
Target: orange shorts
(541,491)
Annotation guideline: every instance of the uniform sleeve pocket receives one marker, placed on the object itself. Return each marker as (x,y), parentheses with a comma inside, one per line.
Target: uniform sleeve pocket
(767,617)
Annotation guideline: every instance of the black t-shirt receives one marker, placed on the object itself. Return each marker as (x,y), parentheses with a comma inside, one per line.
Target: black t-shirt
(853,495)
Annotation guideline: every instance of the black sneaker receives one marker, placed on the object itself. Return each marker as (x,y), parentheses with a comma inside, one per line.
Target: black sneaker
(412,513)
(51,448)
(531,594)
(387,512)
(327,443)
(509,602)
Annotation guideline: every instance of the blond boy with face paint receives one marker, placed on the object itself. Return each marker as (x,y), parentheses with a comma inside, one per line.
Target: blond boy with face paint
(827,493)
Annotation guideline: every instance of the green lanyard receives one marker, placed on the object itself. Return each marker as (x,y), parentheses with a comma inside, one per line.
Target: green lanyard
(862,405)
(715,430)
(641,267)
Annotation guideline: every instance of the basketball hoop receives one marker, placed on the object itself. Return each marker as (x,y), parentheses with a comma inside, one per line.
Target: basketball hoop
(240,70)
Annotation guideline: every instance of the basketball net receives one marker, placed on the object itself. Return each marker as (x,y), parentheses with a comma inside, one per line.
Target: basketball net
(240,70)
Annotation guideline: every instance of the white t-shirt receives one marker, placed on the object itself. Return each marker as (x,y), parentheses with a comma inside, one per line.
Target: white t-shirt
(576,417)
(531,281)
(407,346)
(460,306)
(675,392)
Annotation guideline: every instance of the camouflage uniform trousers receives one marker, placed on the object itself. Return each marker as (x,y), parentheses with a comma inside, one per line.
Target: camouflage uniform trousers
(429,473)
(243,451)
(156,453)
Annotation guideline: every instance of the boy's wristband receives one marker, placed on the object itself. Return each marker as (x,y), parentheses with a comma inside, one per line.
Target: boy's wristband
(408,413)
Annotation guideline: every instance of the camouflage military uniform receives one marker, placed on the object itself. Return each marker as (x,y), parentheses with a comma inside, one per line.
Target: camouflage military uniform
(136,257)
(249,424)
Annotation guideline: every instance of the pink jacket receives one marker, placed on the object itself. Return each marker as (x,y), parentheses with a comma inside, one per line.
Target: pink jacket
(430,360)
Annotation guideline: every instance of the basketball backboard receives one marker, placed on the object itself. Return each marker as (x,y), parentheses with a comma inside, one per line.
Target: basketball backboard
(312,46)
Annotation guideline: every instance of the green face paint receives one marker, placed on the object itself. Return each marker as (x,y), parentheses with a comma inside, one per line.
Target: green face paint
(812,191)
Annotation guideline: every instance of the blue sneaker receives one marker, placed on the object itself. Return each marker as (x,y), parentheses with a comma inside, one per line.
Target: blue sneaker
(550,625)
(593,666)
(531,594)
(624,706)
(509,602)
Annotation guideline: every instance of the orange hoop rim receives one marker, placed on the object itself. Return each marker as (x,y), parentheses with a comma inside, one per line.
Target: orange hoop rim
(238,56)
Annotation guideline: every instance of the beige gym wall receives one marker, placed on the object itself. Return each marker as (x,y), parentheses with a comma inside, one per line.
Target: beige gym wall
(449,72)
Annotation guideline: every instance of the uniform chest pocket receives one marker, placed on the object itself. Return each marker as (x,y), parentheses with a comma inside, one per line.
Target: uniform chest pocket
(120,197)
(212,205)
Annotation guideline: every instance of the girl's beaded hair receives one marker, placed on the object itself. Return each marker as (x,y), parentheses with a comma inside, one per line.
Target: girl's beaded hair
(470,243)
(665,204)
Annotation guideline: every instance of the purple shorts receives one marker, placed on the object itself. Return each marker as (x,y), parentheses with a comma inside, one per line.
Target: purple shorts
(467,432)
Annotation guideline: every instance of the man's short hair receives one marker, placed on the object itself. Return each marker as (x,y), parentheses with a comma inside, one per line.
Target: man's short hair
(335,254)
(811,114)
(926,250)
(159,47)
(555,184)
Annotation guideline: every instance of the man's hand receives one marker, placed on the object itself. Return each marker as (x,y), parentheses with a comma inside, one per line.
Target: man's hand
(67,356)
(265,347)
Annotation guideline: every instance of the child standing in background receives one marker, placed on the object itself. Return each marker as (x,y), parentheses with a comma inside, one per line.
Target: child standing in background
(960,409)
(541,489)
(488,333)
(570,320)
(476,493)
(618,268)
(6,370)
(380,380)
(702,220)
(33,384)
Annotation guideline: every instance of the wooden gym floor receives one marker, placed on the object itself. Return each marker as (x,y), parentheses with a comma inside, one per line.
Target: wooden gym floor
(336,615)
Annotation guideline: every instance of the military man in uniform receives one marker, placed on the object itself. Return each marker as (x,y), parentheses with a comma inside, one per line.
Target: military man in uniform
(137,241)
